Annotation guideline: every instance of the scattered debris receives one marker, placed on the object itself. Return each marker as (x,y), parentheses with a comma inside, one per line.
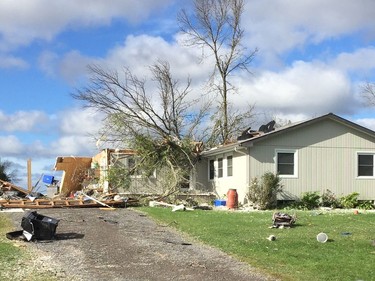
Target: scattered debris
(35,226)
(16,235)
(178,243)
(271,238)
(175,208)
(97,201)
(7,186)
(281,220)
(12,196)
(202,207)
(108,220)
(322,237)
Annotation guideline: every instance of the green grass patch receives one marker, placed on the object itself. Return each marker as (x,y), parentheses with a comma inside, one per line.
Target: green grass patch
(14,259)
(10,255)
(295,254)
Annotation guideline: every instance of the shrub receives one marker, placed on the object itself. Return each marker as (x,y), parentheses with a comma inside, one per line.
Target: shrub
(329,199)
(350,200)
(310,200)
(264,193)
(366,205)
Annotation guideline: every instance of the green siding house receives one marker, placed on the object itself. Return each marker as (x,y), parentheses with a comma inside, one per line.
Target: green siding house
(327,152)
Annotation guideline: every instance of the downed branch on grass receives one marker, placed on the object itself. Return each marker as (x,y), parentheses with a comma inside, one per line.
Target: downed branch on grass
(175,208)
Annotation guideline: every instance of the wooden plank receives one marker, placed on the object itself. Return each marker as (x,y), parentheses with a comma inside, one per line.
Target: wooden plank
(59,203)
(10,186)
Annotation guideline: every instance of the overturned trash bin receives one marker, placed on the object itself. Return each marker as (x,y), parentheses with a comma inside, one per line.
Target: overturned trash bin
(39,227)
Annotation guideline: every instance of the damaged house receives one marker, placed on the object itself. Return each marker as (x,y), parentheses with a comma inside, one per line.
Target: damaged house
(327,152)
(97,173)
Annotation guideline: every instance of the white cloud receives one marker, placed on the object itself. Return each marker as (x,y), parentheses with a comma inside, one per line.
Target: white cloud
(74,146)
(8,61)
(361,60)
(309,88)
(11,145)
(47,63)
(366,122)
(278,26)
(23,121)
(79,122)
(73,66)
(23,21)
(138,53)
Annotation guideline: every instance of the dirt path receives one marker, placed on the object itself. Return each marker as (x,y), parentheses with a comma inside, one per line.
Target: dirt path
(94,244)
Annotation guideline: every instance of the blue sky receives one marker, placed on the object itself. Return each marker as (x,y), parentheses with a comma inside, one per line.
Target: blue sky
(313,56)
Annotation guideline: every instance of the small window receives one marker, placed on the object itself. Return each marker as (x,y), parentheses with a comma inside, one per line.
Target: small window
(230,166)
(212,169)
(286,163)
(365,165)
(220,167)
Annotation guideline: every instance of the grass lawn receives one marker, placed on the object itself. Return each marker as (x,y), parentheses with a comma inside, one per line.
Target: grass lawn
(10,255)
(295,254)
(14,257)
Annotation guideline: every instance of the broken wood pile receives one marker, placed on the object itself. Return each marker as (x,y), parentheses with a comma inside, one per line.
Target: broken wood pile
(7,186)
(26,200)
(61,203)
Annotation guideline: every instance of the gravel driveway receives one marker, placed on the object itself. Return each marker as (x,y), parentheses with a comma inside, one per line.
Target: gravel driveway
(94,244)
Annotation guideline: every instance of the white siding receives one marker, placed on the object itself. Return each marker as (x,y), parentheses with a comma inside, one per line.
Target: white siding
(221,185)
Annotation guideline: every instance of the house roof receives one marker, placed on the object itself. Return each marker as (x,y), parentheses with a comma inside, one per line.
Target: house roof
(285,129)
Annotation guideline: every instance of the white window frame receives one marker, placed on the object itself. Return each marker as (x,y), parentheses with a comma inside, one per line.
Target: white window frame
(209,169)
(227,166)
(224,168)
(295,162)
(220,170)
(357,164)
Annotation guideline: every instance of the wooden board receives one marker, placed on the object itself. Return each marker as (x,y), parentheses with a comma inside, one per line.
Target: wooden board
(59,203)
(10,186)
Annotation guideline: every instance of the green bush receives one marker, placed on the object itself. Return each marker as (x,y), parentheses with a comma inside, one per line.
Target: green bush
(329,199)
(264,193)
(310,200)
(349,201)
(366,205)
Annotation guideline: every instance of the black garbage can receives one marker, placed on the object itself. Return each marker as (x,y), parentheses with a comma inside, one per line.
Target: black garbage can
(39,226)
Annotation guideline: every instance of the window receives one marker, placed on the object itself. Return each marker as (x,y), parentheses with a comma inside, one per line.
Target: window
(365,165)
(286,164)
(212,169)
(229,166)
(220,167)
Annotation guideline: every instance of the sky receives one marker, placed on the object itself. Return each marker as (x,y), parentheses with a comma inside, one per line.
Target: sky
(313,58)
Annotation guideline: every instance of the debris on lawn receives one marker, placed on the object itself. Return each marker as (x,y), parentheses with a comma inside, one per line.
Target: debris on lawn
(322,237)
(281,220)
(271,238)
(35,227)
(205,207)
(180,207)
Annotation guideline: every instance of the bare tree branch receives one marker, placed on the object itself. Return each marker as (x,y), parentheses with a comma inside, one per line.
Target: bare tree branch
(161,124)
(368,93)
(216,25)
